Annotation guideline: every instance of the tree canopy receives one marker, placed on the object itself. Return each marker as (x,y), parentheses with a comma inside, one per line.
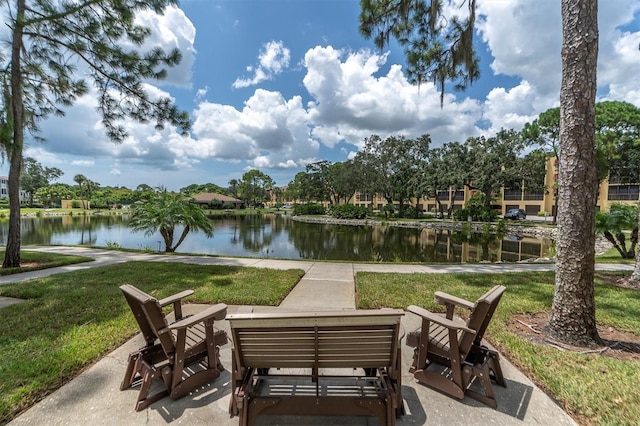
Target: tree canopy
(392,165)
(438,47)
(254,187)
(35,176)
(57,49)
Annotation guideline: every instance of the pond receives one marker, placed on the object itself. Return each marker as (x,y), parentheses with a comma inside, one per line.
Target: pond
(278,236)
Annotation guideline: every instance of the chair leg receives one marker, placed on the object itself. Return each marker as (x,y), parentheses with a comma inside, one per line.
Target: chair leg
(148,373)
(494,367)
(487,370)
(481,372)
(131,371)
(233,403)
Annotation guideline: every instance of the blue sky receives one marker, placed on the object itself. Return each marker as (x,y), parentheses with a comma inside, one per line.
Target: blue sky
(276,84)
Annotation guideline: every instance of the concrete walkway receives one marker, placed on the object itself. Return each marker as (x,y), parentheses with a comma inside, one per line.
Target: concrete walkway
(94,396)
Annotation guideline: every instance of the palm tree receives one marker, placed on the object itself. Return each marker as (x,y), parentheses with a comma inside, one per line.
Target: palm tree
(612,225)
(163,211)
(80,180)
(634,279)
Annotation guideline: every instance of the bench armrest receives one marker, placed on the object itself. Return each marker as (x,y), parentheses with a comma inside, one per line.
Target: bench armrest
(446,299)
(175,298)
(447,323)
(216,312)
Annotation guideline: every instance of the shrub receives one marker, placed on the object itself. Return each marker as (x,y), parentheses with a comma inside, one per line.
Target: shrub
(389,210)
(228,206)
(410,212)
(478,214)
(75,204)
(308,209)
(349,211)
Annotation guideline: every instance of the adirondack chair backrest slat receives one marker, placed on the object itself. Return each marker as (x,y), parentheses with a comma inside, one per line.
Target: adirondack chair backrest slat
(155,319)
(480,317)
(132,296)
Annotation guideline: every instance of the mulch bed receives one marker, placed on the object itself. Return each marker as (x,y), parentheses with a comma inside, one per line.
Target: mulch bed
(618,344)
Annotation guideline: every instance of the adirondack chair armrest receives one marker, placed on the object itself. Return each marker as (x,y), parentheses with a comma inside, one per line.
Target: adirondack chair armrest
(447,299)
(216,312)
(175,298)
(438,319)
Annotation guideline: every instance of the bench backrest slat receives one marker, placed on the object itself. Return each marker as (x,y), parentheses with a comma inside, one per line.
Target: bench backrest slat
(367,339)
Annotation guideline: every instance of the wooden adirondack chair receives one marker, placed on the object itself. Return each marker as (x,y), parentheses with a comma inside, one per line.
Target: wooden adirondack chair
(457,347)
(183,354)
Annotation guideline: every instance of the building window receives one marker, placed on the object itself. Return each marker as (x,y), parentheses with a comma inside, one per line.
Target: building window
(624,192)
(513,194)
(534,195)
(442,195)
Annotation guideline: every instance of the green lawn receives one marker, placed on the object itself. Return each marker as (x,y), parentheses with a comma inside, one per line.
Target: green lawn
(612,256)
(34,260)
(71,320)
(600,389)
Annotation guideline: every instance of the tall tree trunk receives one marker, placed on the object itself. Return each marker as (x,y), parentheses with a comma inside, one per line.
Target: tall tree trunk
(14,148)
(573,311)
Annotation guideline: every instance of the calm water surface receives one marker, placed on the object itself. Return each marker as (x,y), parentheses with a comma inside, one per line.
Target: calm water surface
(277,236)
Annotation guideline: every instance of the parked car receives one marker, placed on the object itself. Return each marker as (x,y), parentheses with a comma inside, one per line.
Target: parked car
(515,214)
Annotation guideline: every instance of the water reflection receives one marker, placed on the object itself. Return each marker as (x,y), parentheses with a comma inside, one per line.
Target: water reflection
(277,236)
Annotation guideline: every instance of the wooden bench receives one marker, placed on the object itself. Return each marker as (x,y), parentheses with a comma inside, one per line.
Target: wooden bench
(317,363)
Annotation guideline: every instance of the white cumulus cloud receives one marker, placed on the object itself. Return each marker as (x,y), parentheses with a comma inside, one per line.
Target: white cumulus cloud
(273,59)
(269,130)
(172,30)
(352,101)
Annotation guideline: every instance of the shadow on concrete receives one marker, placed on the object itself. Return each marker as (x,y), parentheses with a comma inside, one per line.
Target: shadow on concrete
(514,399)
(209,395)
(415,414)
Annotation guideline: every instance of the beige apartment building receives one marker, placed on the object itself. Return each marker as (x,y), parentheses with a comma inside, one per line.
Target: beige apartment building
(532,202)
